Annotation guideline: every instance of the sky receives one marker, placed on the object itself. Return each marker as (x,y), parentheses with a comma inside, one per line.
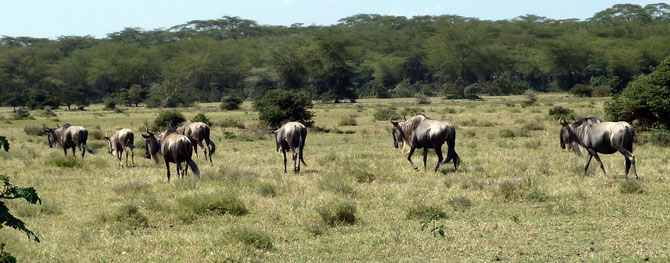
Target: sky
(54,18)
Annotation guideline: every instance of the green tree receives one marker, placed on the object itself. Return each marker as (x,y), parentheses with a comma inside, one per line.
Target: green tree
(279,105)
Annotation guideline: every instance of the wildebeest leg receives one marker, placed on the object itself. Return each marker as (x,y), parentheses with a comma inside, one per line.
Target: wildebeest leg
(184,171)
(296,163)
(204,149)
(195,149)
(167,166)
(284,153)
(83,151)
(438,151)
(602,166)
(409,158)
(425,156)
(119,156)
(180,172)
(630,159)
(588,161)
(132,156)
(65,151)
(73,151)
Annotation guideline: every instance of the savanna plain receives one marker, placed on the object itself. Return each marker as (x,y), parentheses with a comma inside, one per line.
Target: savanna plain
(516,196)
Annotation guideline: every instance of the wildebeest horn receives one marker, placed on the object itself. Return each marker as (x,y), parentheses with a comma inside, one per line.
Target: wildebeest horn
(562,121)
(391,119)
(403,116)
(57,126)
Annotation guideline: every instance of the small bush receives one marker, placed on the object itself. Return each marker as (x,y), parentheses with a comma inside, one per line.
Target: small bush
(448,110)
(167,118)
(348,121)
(510,190)
(216,203)
(601,92)
(659,136)
(255,238)
(533,126)
(460,203)
(338,213)
(230,102)
(385,113)
(279,105)
(559,112)
(110,103)
(630,186)
(411,111)
(580,90)
(22,114)
(65,162)
(201,117)
(425,212)
(129,215)
(422,99)
(34,130)
(267,189)
(229,135)
(507,133)
(530,98)
(97,134)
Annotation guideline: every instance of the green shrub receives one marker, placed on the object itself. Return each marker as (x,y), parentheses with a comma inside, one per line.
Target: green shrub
(530,98)
(97,134)
(214,203)
(34,130)
(279,105)
(411,111)
(109,102)
(472,91)
(65,162)
(644,99)
(22,114)
(580,90)
(630,186)
(659,136)
(507,133)
(533,126)
(425,212)
(338,213)
(231,102)
(255,238)
(129,215)
(201,117)
(167,118)
(363,176)
(559,112)
(385,113)
(422,99)
(601,92)
(267,189)
(348,121)
(510,190)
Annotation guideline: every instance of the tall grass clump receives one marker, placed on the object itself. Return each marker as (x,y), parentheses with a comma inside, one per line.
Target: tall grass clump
(267,189)
(385,113)
(348,121)
(65,162)
(559,112)
(210,203)
(338,213)
(630,186)
(460,203)
(128,215)
(254,238)
(334,183)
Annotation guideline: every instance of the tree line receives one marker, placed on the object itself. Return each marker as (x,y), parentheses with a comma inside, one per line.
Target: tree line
(364,55)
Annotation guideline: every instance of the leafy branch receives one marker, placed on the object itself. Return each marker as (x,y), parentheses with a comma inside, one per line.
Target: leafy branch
(431,224)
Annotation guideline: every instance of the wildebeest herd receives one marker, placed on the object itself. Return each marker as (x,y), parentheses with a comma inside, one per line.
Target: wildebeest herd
(176,144)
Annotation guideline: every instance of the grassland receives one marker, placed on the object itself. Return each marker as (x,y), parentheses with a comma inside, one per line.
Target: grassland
(517,197)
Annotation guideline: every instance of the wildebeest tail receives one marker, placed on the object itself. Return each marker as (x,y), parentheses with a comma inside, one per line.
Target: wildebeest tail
(194,167)
(301,145)
(210,142)
(451,152)
(83,136)
(130,142)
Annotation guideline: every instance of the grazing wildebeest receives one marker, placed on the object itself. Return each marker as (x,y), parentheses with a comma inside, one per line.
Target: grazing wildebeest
(69,136)
(197,132)
(422,132)
(289,136)
(122,141)
(174,147)
(597,136)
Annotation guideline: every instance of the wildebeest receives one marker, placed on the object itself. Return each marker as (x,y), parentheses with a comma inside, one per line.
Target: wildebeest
(69,136)
(597,136)
(422,132)
(174,147)
(122,141)
(289,136)
(197,132)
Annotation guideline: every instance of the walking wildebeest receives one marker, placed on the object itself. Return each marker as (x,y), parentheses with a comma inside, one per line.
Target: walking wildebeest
(174,147)
(422,132)
(69,136)
(597,136)
(197,132)
(289,136)
(120,142)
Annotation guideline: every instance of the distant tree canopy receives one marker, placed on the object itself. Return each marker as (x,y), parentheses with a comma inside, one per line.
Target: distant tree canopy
(365,55)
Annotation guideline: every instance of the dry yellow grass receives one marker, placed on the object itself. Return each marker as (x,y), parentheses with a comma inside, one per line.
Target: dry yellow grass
(528,199)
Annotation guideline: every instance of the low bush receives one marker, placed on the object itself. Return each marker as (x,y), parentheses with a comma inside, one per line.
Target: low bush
(338,213)
(267,189)
(65,162)
(335,184)
(201,117)
(559,112)
(22,114)
(363,176)
(167,118)
(348,121)
(129,215)
(34,130)
(230,123)
(97,134)
(422,99)
(230,102)
(385,113)
(255,238)
(630,186)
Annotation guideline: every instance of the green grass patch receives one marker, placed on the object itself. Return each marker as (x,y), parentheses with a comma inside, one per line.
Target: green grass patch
(65,162)
(630,186)
(338,213)
(255,238)
(425,212)
(190,206)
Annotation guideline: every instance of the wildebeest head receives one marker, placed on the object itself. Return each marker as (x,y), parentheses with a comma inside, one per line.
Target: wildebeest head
(151,146)
(398,134)
(51,135)
(109,143)
(567,137)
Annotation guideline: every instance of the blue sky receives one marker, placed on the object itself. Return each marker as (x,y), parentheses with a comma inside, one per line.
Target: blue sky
(53,18)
